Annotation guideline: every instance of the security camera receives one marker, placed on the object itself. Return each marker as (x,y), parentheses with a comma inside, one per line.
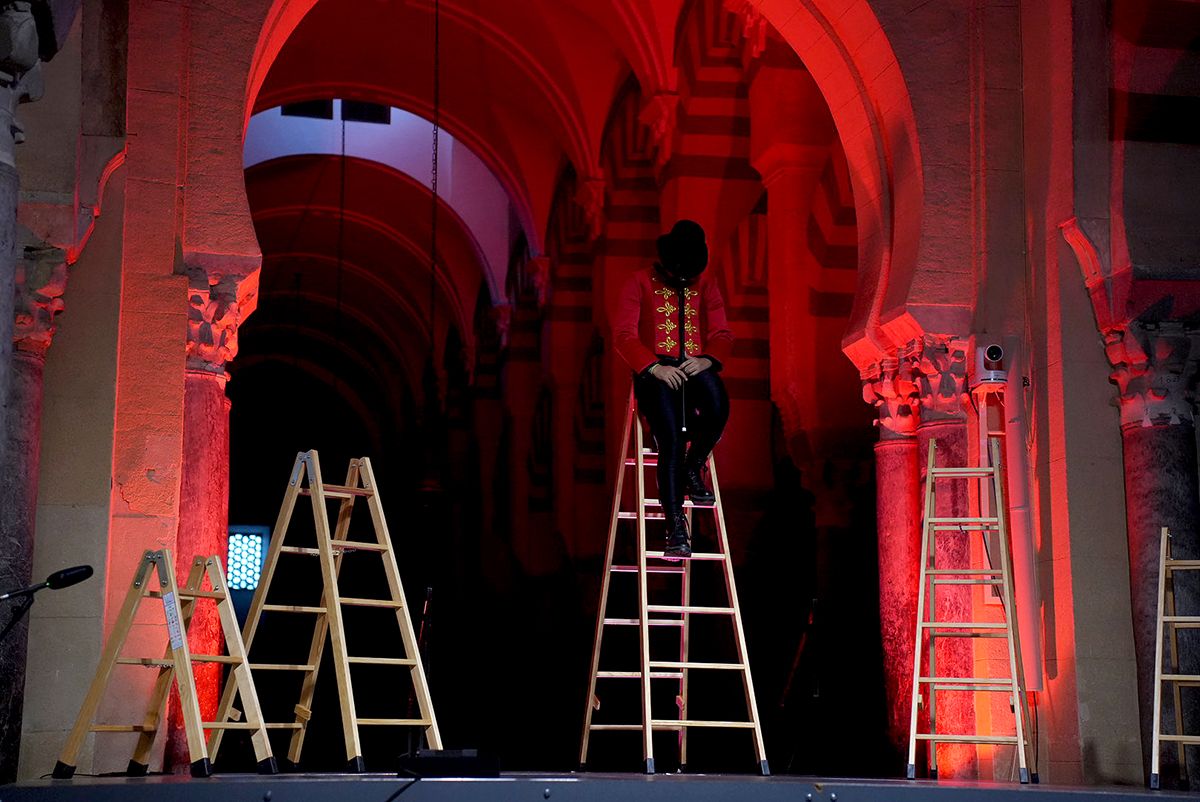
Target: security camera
(989,366)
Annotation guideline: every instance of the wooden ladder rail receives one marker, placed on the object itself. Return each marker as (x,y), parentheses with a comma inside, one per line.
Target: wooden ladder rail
(930,575)
(655,669)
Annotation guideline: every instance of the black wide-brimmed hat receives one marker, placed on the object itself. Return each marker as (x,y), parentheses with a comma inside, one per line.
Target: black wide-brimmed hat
(683,251)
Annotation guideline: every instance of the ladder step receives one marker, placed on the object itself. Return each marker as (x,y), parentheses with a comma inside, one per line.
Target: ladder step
(190,594)
(388,603)
(632,516)
(393,722)
(648,462)
(354,545)
(965,527)
(300,550)
(964,473)
(964,572)
(990,520)
(284,725)
(122,728)
(1181,619)
(666,724)
(633,622)
(697,555)
(339,491)
(1181,678)
(383,661)
(1180,739)
(689,608)
(981,688)
(968,582)
(965,624)
(228,725)
(161,662)
(626,727)
(967,739)
(688,504)
(1007,683)
(282,667)
(638,675)
(293,608)
(691,664)
(1182,565)
(650,569)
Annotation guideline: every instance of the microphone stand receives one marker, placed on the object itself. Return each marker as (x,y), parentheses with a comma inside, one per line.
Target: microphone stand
(17,614)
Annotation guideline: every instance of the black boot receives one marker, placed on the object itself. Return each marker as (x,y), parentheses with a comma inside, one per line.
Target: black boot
(694,487)
(678,544)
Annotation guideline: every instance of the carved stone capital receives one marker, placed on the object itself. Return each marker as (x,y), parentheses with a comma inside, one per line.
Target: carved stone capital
(1155,368)
(660,115)
(41,280)
(222,291)
(538,269)
(502,317)
(939,369)
(589,194)
(20,72)
(754,25)
(890,387)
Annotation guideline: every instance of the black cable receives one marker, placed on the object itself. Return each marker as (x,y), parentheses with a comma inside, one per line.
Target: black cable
(413,781)
(341,239)
(433,178)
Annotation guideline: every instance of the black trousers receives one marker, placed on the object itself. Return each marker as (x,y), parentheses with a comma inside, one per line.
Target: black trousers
(704,405)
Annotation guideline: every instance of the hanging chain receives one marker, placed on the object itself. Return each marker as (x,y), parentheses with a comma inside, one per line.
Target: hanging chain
(433,178)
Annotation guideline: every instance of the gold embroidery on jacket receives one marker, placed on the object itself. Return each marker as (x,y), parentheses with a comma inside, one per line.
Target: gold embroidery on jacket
(668,344)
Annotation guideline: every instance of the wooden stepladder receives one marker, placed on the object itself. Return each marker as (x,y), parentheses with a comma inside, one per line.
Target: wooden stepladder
(654,615)
(1169,624)
(176,664)
(331,549)
(995,577)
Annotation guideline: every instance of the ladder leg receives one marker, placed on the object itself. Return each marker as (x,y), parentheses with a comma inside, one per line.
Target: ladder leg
(1158,663)
(185,679)
(241,674)
(260,593)
(926,535)
(411,648)
(601,611)
(69,757)
(643,607)
(139,764)
(760,747)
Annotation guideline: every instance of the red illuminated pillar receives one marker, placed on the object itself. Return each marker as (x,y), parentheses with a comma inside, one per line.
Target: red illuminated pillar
(40,280)
(939,368)
(889,386)
(1155,369)
(217,303)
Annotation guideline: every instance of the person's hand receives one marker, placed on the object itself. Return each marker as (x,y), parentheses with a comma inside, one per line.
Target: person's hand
(670,376)
(696,364)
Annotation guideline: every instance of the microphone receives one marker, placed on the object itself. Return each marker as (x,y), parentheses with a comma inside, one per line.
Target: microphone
(62,578)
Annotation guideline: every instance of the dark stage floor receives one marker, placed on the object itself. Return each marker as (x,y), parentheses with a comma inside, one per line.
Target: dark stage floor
(555,787)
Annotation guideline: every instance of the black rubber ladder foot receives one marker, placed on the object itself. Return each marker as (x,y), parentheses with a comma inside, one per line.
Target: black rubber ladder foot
(649,765)
(268,766)
(202,767)
(1033,777)
(764,769)
(933,774)
(911,773)
(62,771)
(356,765)
(1155,784)
(135,769)
(1024,775)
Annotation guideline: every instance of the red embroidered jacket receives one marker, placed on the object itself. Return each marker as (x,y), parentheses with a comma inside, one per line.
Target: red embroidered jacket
(654,318)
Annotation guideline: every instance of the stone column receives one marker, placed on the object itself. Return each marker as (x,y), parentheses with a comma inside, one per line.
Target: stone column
(939,367)
(890,388)
(217,303)
(1155,369)
(40,280)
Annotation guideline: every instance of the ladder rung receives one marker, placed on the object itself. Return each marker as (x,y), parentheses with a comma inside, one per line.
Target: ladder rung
(690,664)
(1180,739)
(650,569)
(698,555)
(970,680)
(293,608)
(1182,619)
(666,724)
(981,688)
(632,516)
(967,739)
(162,662)
(626,727)
(991,520)
(965,528)
(300,550)
(355,545)
(383,661)
(388,603)
(393,722)
(968,634)
(228,725)
(633,622)
(964,473)
(965,624)
(284,725)
(1181,678)
(282,667)
(689,608)
(638,675)
(963,572)
(648,462)
(339,491)
(122,728)
(1182,565)
(200,594)
(688,504)
(968,581)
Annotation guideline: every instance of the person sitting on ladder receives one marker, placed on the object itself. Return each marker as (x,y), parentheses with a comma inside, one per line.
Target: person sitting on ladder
(670,328)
